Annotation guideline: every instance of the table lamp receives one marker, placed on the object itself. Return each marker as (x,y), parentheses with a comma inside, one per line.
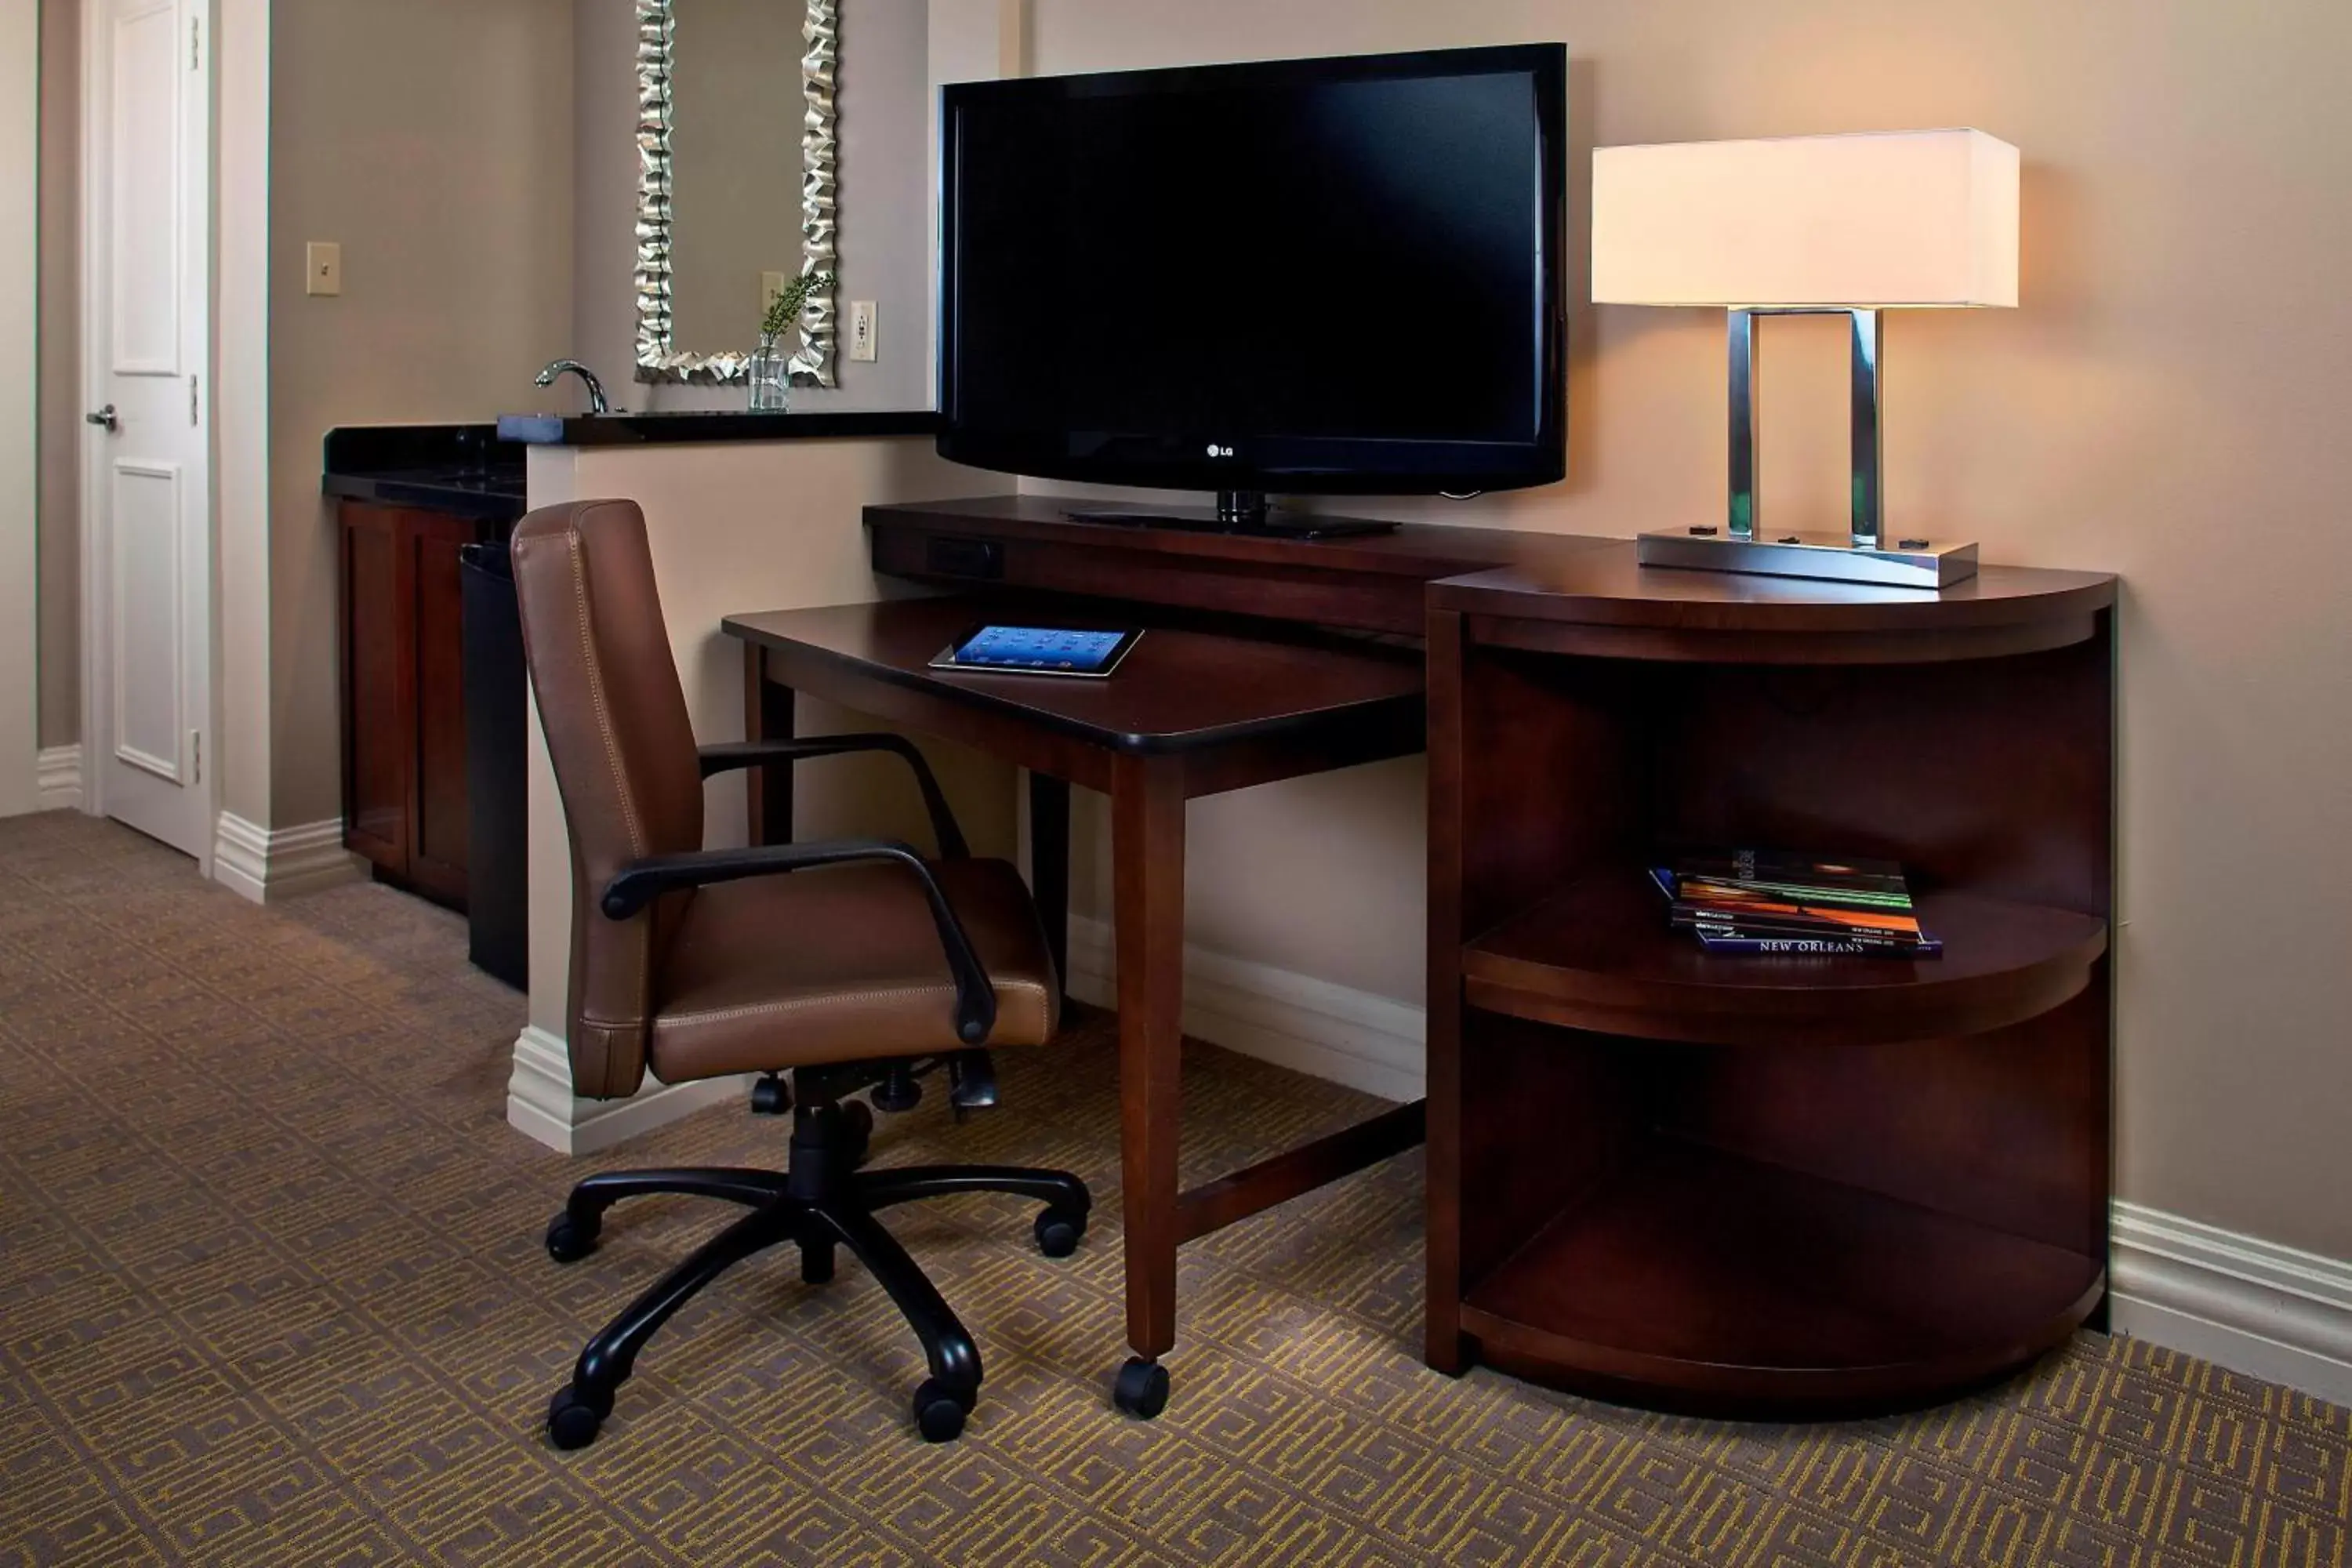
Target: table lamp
(1809,226)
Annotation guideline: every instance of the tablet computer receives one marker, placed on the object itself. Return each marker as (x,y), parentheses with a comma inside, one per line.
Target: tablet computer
(1038,650)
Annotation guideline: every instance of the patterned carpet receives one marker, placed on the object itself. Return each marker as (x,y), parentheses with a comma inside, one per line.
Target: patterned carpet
(271,1291)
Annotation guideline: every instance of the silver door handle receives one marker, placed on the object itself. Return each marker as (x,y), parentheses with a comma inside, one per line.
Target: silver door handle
(105,416)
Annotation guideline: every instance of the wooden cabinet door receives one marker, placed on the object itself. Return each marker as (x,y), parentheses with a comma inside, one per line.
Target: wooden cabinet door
(438,813)
(404,786)
(379,665)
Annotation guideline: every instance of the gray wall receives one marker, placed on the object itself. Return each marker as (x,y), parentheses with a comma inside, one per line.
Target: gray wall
(735,130)
(59,500)
(885,203)
(433,139)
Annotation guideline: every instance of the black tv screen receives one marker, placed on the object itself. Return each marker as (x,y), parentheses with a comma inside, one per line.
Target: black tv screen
(1305,276)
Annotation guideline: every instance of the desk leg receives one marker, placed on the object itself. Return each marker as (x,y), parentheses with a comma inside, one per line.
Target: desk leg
(1049,866)
(1147,873)
(767,716)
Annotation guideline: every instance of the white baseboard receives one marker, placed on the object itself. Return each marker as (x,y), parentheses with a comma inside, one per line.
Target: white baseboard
(541,1105)
(61,778)
(2238,1301)
(263,866)
(1312,1025)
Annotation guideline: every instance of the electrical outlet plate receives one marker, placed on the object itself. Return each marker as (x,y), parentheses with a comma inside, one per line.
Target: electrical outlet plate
(862,325)
(770,285)
(322,268)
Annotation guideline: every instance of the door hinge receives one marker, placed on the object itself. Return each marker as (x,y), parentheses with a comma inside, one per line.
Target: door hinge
(195,43)
(196,751)
(194,417)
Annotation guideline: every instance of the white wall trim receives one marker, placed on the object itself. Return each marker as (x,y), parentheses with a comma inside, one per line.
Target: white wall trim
(1315,1026)
(61,778)
(541,1105)
(2236,1300)
(263,866)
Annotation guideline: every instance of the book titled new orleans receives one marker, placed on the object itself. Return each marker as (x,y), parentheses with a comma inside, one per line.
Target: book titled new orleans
(1766,901)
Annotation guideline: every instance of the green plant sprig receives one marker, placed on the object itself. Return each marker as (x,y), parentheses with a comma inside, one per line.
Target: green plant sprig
(789,300)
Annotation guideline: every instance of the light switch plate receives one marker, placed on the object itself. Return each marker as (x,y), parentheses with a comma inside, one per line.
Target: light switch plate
(862,325)
(770,285)
(322,268)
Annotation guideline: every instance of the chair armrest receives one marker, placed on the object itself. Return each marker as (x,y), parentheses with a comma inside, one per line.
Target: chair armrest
(735,754)
(638,883)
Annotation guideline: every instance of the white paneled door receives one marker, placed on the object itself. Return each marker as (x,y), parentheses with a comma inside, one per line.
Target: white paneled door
(147,331)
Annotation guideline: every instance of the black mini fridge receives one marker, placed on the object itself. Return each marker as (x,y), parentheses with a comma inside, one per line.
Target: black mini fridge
(498,900)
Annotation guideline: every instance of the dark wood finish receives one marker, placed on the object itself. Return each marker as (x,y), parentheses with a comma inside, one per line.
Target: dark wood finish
(1196,708)
(1180,690)
(1599,957)
(1705,1281)
(404,708)
(768,715)
(1254,1189)
(1049,865)
(1603,602)
(1148,882)
(1749,1185)
(1373,582)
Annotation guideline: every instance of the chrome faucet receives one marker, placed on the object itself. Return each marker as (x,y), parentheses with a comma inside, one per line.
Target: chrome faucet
(596,404)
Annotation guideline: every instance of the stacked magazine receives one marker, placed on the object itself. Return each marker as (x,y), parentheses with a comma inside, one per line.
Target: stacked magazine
(1759,901)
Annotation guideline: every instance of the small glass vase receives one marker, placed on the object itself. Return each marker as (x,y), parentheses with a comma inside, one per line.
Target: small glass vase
(771,376)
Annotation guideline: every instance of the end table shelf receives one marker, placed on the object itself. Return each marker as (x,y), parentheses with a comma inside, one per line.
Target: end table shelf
(1601,957)
(1765,1185)
(1842,1296)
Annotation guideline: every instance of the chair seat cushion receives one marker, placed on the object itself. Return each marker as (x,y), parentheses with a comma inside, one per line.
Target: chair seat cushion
(843,964)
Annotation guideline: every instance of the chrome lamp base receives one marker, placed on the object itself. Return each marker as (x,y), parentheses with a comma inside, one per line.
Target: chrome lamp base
(1830,557)
(1854,556)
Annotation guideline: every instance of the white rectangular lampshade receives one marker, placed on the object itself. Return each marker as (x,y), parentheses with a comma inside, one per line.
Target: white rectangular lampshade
(1909,218)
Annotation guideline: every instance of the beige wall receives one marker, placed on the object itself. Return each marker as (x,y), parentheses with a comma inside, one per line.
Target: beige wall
(20,185)
(2167,405)
(432,140)
(884,206)
(60,373)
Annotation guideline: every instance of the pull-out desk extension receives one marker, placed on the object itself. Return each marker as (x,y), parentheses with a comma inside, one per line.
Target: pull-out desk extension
(1191,712)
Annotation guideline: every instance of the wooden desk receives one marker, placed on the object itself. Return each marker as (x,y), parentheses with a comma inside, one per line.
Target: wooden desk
(1191,712)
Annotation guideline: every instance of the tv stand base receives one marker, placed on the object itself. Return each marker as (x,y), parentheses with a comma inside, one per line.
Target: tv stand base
(1236,511)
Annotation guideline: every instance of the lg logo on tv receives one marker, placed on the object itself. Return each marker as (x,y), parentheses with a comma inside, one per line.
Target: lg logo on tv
(1217,451)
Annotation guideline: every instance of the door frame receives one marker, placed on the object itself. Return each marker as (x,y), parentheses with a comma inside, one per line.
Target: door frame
(199,194)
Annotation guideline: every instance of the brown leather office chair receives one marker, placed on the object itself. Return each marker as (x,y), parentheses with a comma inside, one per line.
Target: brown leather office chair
(850,964)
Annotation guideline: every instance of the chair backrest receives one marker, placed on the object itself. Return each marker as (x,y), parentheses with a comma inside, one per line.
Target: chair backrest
(624,757)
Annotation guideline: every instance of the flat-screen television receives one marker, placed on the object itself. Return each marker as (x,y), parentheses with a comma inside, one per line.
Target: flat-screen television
(1325,276)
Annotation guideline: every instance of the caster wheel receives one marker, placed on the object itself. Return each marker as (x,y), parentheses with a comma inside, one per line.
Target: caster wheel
(570,1238)
(770,1097)
(1059,1231)
(857,1127)
(572,1419)
(816,1263)
(939,1411)
(1140,1388)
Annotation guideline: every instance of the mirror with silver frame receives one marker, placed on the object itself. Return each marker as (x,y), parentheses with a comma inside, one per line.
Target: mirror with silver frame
(737,182)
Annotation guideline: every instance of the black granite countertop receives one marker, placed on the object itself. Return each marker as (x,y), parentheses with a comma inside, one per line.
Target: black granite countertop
(463,470)
(656,429)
